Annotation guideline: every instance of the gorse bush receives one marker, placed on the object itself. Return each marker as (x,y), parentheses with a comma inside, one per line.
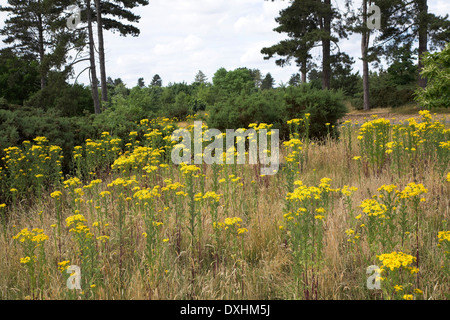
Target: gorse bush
(69,100)
(276,106)
(239,111)
(24,123)
(325,108)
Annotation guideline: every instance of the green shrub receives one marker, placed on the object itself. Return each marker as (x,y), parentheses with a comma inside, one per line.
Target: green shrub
(18,124)
(386,97)
(437,91)
(178,109)
(279,105)
(387,90)
(120,119)
(241,110)
(324,106)
(69,100)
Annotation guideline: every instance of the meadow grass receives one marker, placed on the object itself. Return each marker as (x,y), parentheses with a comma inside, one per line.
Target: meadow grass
(143,228)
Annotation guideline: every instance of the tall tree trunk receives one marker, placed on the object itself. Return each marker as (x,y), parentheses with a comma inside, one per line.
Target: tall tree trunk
(101,51)
(94,84)
(42,69)
(364,48)
(326,46)
(303,70)
(423,37)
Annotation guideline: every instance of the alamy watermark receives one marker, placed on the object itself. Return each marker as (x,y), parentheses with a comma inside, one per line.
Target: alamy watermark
(74,280)
(373,282)
(258,152)
(75,18)
(374,19)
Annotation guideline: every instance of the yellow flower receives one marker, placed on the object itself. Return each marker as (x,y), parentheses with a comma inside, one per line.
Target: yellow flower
(104,193)
(346,190)
(396,260)
(349,232)
(320,210)
(103,238)
(56,194)
(444,236)
(189,169)
(388,188)
(25,260)
(412,190)
(398,288)
(408,297)
(418,291)
(414,270)
(242,230)
(63,265)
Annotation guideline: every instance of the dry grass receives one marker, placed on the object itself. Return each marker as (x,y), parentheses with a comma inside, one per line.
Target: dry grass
(263,271)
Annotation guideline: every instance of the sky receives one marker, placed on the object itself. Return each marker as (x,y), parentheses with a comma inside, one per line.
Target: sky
(180,37)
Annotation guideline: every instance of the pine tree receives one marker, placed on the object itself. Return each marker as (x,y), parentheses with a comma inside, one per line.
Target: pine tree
(357,22)
(141,83)
(35,29)
(200,77)
(302,30)
(109,16)
(295,80)
(93,69)
(408,22)
(267,82)
(257,77)
(307,24)
(156,81)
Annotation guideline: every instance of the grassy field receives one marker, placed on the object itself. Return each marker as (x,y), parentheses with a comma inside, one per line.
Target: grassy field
(144,228)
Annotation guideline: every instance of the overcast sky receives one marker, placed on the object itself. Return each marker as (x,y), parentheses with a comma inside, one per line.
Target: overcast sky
(180,37)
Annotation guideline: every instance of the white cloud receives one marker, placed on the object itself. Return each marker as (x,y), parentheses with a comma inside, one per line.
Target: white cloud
(180,37)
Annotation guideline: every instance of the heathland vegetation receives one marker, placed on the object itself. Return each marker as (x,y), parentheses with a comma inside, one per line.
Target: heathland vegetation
(93,207)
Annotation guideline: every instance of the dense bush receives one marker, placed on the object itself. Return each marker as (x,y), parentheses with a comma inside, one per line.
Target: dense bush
(325,107)
(234,82)
(19,77)
(436,70)
(179,108)
(18,124)
(146,98)
(241,110)
(279,105)
(121,118)
(389,89)
(69,100)
(386,97)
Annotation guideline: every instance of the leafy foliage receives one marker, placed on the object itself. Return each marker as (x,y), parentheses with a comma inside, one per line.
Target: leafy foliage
(324,106)
(436,70)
